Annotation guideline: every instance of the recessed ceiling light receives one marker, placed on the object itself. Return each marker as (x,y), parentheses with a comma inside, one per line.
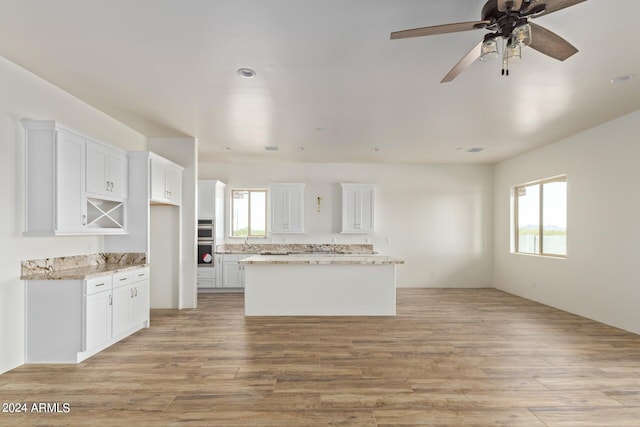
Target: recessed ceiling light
(622,79)
(475,150)
(227,148)
(271,148)
(246,73)
(300,148)
(375,149)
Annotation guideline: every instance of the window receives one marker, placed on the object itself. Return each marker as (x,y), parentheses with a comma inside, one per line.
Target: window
(248,213)
(541,217)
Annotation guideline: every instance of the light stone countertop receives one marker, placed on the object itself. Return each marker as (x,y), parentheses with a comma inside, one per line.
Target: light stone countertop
(80,267)
(320,259)
(82,273)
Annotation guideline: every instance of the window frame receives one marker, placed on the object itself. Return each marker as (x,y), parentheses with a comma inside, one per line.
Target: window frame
(249,233)
(516,228)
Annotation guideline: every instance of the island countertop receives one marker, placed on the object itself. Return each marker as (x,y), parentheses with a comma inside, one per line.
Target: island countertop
(320,259)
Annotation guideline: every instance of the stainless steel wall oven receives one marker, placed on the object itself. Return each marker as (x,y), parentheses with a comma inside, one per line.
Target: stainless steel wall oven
(206,240)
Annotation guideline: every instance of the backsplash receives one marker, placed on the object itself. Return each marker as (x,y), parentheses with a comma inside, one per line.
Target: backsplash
(35,266)
(296,248)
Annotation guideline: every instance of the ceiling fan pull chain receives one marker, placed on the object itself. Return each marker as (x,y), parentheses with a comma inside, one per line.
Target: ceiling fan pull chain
(505,58)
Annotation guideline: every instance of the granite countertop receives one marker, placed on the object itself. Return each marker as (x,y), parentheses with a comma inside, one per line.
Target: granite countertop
(296,248)
(81,273)
(319,259)
(80,267)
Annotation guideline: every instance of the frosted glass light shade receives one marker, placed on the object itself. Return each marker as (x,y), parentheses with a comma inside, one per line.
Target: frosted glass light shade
(489,50)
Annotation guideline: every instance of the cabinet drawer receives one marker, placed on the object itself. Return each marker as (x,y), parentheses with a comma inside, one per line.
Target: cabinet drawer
(130,276)
(97,284)
(139,274)
(121,279)
(206,273)
(206,283)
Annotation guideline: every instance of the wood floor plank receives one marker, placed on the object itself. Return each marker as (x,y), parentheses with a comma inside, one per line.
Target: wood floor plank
(451,357)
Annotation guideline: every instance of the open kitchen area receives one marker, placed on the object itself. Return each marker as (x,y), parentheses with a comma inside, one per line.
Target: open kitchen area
(278,213)
(294,278)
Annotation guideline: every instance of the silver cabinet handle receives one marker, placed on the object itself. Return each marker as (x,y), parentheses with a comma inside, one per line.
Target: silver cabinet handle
(136,292)
(100,284)
(84,220)
(110,299)
(107,185)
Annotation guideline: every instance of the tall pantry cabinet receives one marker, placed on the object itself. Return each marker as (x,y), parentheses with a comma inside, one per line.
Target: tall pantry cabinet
(211,194)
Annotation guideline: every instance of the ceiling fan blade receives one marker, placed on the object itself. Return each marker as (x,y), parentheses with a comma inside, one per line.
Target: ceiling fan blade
(556,5)
(503,5)
(549,43)
(439,29)
(467,60)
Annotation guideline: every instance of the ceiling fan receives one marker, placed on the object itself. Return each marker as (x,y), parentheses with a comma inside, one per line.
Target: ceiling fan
(508,20)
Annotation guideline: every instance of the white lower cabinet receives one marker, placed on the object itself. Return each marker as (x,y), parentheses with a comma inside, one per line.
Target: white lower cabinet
(68,321)
(98,325)
(130,301)
(232,271)
(206,277)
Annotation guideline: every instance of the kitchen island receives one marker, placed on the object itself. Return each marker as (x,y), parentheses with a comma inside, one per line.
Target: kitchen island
(320,285)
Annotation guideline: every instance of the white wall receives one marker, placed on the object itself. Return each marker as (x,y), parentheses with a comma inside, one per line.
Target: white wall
(599,278)
(437,218)
(25,95)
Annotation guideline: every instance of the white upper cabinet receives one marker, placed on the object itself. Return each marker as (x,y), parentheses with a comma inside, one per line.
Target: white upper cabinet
(357,208)
(70,210)
(211,206)
(287,208)
(166,181)
(106,171)
(206,199)
(57,200)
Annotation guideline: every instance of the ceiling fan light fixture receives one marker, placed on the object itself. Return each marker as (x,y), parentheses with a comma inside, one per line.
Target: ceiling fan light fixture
(522,35)
(513,53)
(489,50)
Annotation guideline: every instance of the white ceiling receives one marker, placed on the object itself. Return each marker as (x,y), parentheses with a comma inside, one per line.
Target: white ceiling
(329,79)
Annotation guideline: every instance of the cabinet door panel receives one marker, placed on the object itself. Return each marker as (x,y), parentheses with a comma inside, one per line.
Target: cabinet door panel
(157,180)
(70,156)
(366,209)
(122,297)
(349,208)
(117,168)
(295,205)
(232,274)
(173,185)
(206,200)
(279,211)
(98,319)
(97,169)
(140,303)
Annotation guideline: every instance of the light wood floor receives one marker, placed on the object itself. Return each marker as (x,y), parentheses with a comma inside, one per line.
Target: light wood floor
(451,357)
